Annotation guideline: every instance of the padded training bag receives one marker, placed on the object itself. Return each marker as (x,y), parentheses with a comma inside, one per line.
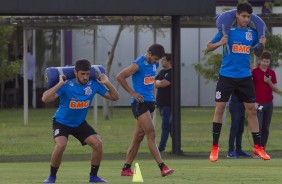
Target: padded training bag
(52,74)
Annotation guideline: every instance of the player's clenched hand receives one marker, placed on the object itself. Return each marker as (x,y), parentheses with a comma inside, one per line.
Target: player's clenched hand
(102,78)
(138,97)
(224,40)
(62,79)
(262,40)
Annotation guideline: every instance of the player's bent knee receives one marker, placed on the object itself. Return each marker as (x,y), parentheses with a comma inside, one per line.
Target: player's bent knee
(61,146)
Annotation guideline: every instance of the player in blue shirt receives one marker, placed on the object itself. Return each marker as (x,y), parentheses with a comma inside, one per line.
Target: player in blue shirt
(143,71)
(235,74)
(76,96)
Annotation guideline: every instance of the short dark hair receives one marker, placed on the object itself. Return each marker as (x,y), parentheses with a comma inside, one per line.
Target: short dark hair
(265,55)
(82,65)
(244,7)
(168,57)
(157,50)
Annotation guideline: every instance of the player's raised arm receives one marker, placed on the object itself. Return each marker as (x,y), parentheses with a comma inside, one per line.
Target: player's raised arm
(50,94)
(212,46)
(258,51)
(112,94)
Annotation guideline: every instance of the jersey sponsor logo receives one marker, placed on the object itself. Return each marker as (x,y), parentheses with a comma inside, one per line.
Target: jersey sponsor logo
(243,49)
(249,36)
(149,80)
(79,104)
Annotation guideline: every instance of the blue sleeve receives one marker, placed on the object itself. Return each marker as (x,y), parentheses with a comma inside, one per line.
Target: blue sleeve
(217,37)
(138,63)
(61,90)
(102,90)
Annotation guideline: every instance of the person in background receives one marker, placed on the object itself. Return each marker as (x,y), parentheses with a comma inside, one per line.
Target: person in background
(163,99)
(143,71)
(31,70)
(265,83)
(237,112)
(76,96)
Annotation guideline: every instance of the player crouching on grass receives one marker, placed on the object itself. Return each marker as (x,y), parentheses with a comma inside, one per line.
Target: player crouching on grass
(76,96)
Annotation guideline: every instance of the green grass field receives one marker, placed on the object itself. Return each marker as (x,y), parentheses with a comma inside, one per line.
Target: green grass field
(194,171)
(25,151)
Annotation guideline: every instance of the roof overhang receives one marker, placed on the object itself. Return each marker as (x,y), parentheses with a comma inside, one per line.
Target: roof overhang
(64,14)
(78,22)
(107,7)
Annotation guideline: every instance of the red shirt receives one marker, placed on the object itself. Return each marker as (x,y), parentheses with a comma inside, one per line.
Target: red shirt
(262,89)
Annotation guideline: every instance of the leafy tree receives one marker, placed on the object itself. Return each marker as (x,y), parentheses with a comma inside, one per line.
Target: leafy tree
(8,69)
(277,2)
(210,69)
(109,62)
(274,44)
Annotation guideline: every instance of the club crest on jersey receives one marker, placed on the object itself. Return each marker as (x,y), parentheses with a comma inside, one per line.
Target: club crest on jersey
(249,36)
(70,83)
(145,63)
(218,95)
(88,91)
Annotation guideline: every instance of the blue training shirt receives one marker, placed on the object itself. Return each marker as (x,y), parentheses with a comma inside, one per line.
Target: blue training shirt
(240,41)
(143,80)
(75,100)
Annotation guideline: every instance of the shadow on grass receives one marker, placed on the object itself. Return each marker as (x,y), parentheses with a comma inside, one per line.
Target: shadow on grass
(118,156)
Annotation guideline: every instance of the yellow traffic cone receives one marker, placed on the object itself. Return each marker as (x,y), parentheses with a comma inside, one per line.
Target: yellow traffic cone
(137,176)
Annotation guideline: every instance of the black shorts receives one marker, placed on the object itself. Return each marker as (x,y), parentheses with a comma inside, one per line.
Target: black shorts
(226,86)
(81,132)
(141,108)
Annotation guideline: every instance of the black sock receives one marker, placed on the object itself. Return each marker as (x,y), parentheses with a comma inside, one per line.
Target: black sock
(53,171)
(126,166)
(94,170)
(257,138)
(161,165)
(216,129)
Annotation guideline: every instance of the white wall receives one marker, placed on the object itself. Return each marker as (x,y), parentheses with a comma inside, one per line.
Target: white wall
(82,44)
